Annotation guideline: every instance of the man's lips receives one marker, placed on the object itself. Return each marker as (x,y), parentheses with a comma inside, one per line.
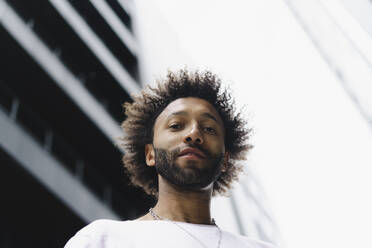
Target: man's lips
(191,152)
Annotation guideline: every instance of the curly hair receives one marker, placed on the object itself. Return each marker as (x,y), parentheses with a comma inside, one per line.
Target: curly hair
(142,114)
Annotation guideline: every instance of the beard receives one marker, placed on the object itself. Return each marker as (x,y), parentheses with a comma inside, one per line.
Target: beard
(191,177)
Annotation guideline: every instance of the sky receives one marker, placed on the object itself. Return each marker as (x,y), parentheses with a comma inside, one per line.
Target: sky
(312,146)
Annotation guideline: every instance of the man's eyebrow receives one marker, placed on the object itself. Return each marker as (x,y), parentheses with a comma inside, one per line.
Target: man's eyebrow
(210,116)
(177,113)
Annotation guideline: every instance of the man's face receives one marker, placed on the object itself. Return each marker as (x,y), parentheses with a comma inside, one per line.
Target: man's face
(188,146)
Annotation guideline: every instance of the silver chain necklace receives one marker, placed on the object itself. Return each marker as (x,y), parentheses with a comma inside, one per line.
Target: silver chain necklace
(157,217)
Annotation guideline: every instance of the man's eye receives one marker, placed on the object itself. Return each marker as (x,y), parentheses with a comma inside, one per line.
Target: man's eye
(175,126)
(210,129)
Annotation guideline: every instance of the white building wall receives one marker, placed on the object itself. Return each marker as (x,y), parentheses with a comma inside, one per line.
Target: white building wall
(163,46)
(312,141)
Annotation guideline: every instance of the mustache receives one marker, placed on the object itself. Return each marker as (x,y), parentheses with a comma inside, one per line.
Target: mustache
(178,150)
(173,154)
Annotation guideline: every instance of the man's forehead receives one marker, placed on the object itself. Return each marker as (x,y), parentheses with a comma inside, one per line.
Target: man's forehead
(189,105)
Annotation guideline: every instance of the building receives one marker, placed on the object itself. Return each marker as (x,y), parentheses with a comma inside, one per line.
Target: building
(67,68)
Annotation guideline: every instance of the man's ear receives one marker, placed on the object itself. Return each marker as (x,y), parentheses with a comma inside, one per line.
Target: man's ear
(226,157)
(150,155)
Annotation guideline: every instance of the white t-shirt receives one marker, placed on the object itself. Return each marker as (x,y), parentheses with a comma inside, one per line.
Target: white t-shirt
(159,233)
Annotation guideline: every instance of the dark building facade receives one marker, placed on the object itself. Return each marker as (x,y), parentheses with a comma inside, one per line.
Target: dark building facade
(66,69)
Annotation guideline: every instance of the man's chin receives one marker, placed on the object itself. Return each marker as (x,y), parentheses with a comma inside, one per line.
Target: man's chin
(193,186)
(189,164)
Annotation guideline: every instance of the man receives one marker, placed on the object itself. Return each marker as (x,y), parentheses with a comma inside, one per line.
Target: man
(182,144)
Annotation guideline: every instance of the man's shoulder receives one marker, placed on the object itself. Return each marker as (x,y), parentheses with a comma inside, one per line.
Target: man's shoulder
(260,243)
(105,225)
(98,231)
(249,241)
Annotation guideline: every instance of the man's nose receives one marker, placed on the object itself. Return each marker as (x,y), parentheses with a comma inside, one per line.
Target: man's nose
(194,136)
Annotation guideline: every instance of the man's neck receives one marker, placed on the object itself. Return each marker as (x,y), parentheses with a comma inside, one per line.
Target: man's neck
(182,205)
